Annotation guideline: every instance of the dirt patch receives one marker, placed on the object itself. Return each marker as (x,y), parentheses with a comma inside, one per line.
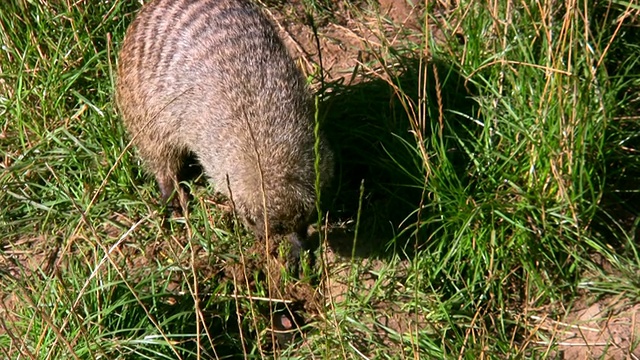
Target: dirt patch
(21,257)
(22,260)
(355,34)
(364,278)
(259,264)
(608,328)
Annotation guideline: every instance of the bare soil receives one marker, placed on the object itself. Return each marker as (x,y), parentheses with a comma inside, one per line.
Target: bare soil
(606,328)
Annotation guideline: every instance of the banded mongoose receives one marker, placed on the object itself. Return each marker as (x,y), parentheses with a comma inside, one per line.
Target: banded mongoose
(212,78)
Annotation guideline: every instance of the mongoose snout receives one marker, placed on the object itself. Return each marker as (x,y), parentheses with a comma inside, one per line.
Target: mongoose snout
(213,79)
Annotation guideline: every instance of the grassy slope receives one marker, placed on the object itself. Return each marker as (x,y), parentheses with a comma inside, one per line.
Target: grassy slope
(517,170)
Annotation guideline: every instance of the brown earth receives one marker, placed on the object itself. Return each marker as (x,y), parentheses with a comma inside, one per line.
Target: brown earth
(608,328)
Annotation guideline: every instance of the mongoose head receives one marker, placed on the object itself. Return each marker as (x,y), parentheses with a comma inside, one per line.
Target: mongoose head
(289,210)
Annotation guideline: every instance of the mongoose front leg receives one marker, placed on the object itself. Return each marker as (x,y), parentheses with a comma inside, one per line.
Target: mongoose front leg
(172,195)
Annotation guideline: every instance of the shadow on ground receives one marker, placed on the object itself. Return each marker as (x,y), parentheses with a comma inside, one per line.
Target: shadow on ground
(378,166)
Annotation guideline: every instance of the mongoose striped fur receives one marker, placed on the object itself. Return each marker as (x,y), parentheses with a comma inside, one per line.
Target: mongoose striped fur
(212,78)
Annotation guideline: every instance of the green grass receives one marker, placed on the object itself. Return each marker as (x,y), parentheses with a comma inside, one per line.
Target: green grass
(487,171)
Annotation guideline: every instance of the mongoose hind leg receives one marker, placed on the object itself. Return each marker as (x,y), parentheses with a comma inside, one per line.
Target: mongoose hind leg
(166,169)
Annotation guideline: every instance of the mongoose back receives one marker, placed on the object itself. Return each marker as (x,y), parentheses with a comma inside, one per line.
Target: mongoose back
(213,79)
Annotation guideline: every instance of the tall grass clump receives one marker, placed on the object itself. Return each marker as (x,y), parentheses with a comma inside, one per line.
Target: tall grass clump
(537,159)
(515,222)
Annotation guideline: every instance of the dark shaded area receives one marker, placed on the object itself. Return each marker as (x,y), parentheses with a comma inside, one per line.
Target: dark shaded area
(376,152)
(287,321)
(620,204)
